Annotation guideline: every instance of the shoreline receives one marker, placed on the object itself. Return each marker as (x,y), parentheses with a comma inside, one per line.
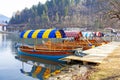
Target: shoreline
(103,71)
(110,69)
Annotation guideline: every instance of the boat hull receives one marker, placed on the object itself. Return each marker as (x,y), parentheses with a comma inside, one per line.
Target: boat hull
(44,55)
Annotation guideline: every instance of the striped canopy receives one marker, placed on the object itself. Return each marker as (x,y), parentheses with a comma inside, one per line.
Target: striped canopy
(87,34)
(43,33)
(73,34)
(99,34)
(92,34)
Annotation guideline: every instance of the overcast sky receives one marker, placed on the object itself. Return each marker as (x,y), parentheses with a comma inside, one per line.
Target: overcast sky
(8,7)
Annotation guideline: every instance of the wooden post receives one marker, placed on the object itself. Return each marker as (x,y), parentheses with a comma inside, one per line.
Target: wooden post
(111,36)
(23,65)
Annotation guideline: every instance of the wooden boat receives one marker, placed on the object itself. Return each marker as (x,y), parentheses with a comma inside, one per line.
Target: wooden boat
(50,51)
(44,53)
(85,39)
(76,35)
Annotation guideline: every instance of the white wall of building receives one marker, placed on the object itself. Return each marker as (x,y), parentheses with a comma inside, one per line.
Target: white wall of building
(0,28)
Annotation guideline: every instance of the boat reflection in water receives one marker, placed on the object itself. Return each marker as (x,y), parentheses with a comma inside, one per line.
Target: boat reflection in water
(40,68)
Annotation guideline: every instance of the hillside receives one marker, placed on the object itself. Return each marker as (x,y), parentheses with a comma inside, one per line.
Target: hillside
(3,18)
(93,14)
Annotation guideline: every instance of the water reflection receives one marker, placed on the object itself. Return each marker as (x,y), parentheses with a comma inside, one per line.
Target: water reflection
(5,51)
(8,64)
(39,68)
(3,44)
(11,67)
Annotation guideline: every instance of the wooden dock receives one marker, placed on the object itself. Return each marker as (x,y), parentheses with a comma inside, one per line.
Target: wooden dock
(95,55)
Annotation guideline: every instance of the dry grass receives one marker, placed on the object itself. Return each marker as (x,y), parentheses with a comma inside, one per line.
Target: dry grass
(109,69)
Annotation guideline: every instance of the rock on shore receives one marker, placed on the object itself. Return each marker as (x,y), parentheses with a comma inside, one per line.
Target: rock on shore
(74,72)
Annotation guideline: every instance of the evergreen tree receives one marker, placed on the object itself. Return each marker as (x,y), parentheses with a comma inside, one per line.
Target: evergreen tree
(57,17)
(66,11)
(69,11)
(44,17)
(72,2)
(77,1)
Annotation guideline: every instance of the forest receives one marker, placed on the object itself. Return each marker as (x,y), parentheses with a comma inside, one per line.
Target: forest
(92,14)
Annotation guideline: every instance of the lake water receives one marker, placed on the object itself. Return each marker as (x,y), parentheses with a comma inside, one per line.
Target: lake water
(13,67)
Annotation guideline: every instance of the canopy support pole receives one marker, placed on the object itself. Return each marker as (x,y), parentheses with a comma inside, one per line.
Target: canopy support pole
(35,41)
(22,42)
